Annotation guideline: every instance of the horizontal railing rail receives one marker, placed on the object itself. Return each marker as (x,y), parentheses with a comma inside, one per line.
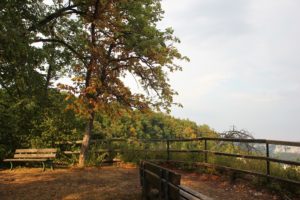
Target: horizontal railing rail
(205,151)
(258,141)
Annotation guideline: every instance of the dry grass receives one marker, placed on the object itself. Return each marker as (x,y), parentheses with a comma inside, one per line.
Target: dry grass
(89,183)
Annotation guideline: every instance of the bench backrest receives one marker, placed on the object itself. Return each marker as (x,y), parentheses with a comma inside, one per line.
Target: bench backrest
(35,153)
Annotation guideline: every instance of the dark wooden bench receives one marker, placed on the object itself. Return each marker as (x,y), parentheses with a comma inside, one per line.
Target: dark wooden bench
(45,156)
(161,183)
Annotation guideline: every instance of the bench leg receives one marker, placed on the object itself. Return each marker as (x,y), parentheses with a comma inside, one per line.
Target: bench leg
(51,165)
(11,166)
(43,166)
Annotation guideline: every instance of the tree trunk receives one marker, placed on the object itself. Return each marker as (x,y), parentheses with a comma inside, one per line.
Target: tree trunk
(86,141)
(51,64)
(48,78)
(89,127)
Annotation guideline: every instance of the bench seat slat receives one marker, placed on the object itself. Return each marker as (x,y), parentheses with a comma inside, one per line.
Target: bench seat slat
(34,155)
(36,150)
(22,160)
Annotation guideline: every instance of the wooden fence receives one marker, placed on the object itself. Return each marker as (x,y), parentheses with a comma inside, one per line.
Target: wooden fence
(161,183)
(265,158)
(207,152)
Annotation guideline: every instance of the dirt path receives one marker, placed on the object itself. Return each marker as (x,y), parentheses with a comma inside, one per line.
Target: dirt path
(86,184)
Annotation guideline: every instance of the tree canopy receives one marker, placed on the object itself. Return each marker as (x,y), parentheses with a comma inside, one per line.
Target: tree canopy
(98,44)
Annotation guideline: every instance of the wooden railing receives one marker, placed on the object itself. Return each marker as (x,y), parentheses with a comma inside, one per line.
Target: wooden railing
(207,152)
(160,183)
(266,158)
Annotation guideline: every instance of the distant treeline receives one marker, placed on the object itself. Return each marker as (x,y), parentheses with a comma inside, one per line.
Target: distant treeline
(41,120)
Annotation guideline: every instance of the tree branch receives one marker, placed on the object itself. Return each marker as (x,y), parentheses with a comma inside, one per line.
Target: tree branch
(124,59)
(81,57)
(56,14)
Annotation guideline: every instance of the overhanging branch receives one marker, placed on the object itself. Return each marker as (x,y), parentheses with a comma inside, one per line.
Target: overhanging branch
(58,13)
(81,57)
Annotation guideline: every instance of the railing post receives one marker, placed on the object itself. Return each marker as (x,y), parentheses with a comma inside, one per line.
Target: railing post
(167,186)
(109,142)
(268,155)
(205,148)
(161,185)
(168,149)
(144,182)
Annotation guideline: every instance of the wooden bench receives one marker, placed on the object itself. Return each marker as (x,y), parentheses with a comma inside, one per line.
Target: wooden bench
(33,155)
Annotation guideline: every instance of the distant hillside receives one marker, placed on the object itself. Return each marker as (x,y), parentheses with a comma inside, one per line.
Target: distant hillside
(288,156)
(286,149)
(280,151)
(286,152)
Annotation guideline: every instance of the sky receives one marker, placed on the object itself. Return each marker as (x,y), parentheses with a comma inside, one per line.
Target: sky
(245,64)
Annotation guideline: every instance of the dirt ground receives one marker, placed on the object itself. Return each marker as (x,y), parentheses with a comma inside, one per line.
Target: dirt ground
(116,183)
(103,183)
(221,188)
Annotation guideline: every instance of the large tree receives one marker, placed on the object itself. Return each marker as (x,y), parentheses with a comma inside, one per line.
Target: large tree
(100,43)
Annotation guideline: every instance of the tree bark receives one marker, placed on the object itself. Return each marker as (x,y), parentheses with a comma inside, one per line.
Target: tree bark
(86,141)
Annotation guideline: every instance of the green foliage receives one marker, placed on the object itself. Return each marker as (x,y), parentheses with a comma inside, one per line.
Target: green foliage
(149,125)
(31,123)
(32,113)
(56,123)
(96,158)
